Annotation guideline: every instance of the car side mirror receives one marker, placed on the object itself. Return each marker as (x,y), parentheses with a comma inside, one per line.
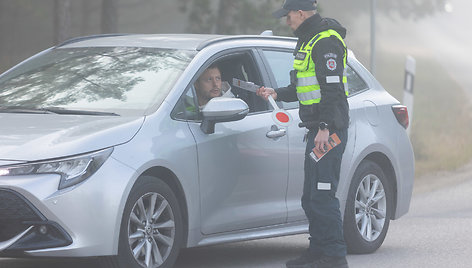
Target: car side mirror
(221,109)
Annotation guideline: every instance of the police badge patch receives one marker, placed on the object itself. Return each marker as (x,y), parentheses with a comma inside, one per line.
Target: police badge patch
(300,56)
(331,64)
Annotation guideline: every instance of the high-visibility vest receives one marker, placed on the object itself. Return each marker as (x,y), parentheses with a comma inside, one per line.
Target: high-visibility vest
(308,88)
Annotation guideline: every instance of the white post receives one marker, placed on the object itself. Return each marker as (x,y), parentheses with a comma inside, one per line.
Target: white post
(410,70)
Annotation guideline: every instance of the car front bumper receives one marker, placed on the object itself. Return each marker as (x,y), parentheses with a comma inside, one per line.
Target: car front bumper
(37,219)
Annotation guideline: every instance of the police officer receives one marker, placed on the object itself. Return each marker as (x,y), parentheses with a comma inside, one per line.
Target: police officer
(318,82)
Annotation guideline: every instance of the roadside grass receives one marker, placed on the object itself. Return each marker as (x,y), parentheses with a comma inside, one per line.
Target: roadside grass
(442,114)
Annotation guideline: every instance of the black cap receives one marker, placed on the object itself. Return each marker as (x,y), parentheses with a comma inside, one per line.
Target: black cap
(290,5)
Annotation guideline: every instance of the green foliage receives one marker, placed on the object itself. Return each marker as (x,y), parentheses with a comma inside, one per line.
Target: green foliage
(232,17)
(253,17)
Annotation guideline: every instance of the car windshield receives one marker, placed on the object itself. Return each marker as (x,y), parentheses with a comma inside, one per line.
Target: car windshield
(116,80)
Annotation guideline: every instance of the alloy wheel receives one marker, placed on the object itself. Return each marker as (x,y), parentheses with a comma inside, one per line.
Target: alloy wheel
(370,207)
(151,230)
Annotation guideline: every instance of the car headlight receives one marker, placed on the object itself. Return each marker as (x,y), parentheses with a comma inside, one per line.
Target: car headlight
(72,170)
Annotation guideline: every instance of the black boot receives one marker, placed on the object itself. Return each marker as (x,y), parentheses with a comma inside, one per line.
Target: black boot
(304,261)
(330,262)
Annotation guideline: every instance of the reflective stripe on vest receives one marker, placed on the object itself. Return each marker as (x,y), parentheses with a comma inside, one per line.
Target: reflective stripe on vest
(307,96)
(307,81)
(308,87)
(312,80)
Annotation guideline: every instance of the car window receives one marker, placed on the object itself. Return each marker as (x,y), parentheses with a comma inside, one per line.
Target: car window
(242,66)
(186,108)
(280,63)
(354,81)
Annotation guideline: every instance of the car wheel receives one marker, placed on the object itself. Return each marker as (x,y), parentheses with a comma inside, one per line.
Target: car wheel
(368,209)
(151,229)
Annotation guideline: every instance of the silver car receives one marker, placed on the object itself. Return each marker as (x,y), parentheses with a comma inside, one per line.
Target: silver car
(105,152)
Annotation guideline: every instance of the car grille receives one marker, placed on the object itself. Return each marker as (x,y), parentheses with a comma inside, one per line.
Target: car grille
(14,211)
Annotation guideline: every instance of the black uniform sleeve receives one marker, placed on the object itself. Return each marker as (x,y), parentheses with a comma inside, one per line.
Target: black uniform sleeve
(287,94)
(328,56)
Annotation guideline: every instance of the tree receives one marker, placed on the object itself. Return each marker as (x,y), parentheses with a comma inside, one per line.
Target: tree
(229,16)
(109,19)
(62,20)
(2,22)
(253,17)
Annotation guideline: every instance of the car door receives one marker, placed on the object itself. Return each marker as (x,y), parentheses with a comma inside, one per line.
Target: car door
(280,63)
(243,174)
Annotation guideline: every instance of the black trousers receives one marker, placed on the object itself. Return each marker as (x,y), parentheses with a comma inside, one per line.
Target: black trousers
(319,199)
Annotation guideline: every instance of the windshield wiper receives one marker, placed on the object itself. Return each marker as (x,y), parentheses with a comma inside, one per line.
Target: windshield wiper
(23,110)
(52,110)
(58,110)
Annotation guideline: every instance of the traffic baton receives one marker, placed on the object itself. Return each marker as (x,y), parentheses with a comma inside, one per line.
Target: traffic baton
(279,116)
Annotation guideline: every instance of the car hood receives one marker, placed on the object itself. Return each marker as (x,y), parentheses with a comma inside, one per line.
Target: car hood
(26,137)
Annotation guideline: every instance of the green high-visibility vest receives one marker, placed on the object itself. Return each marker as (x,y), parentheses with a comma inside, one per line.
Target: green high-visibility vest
(308,88)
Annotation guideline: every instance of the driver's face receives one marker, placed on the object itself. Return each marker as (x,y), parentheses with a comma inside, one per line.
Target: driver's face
(208,85)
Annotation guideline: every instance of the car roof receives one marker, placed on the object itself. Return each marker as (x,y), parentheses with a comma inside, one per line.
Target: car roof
(195,42)
(176,41)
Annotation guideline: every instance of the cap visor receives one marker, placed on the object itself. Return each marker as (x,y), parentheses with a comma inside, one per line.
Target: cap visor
(280,13)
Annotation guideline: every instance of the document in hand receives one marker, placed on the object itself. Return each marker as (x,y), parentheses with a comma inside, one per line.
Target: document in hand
(333,142)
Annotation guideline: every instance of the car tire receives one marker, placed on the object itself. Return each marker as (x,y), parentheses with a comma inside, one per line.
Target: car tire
(368,209)
(151,232)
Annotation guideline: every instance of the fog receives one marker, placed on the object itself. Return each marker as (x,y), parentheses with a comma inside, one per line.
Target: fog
(434,32)
(443,37)
(29,26)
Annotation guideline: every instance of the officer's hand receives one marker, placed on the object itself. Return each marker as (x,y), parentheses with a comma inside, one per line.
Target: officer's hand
(321,140)
(264,92)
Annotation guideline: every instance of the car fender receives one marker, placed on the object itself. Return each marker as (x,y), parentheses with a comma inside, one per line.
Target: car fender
(153,152)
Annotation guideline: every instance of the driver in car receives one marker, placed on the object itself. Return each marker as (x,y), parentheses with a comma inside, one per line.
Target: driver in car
(210,85)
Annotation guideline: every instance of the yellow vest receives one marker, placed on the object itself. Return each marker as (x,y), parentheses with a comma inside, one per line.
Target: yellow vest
(308,88)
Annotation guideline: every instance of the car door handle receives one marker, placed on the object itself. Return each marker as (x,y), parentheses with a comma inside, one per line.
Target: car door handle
(276,132)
